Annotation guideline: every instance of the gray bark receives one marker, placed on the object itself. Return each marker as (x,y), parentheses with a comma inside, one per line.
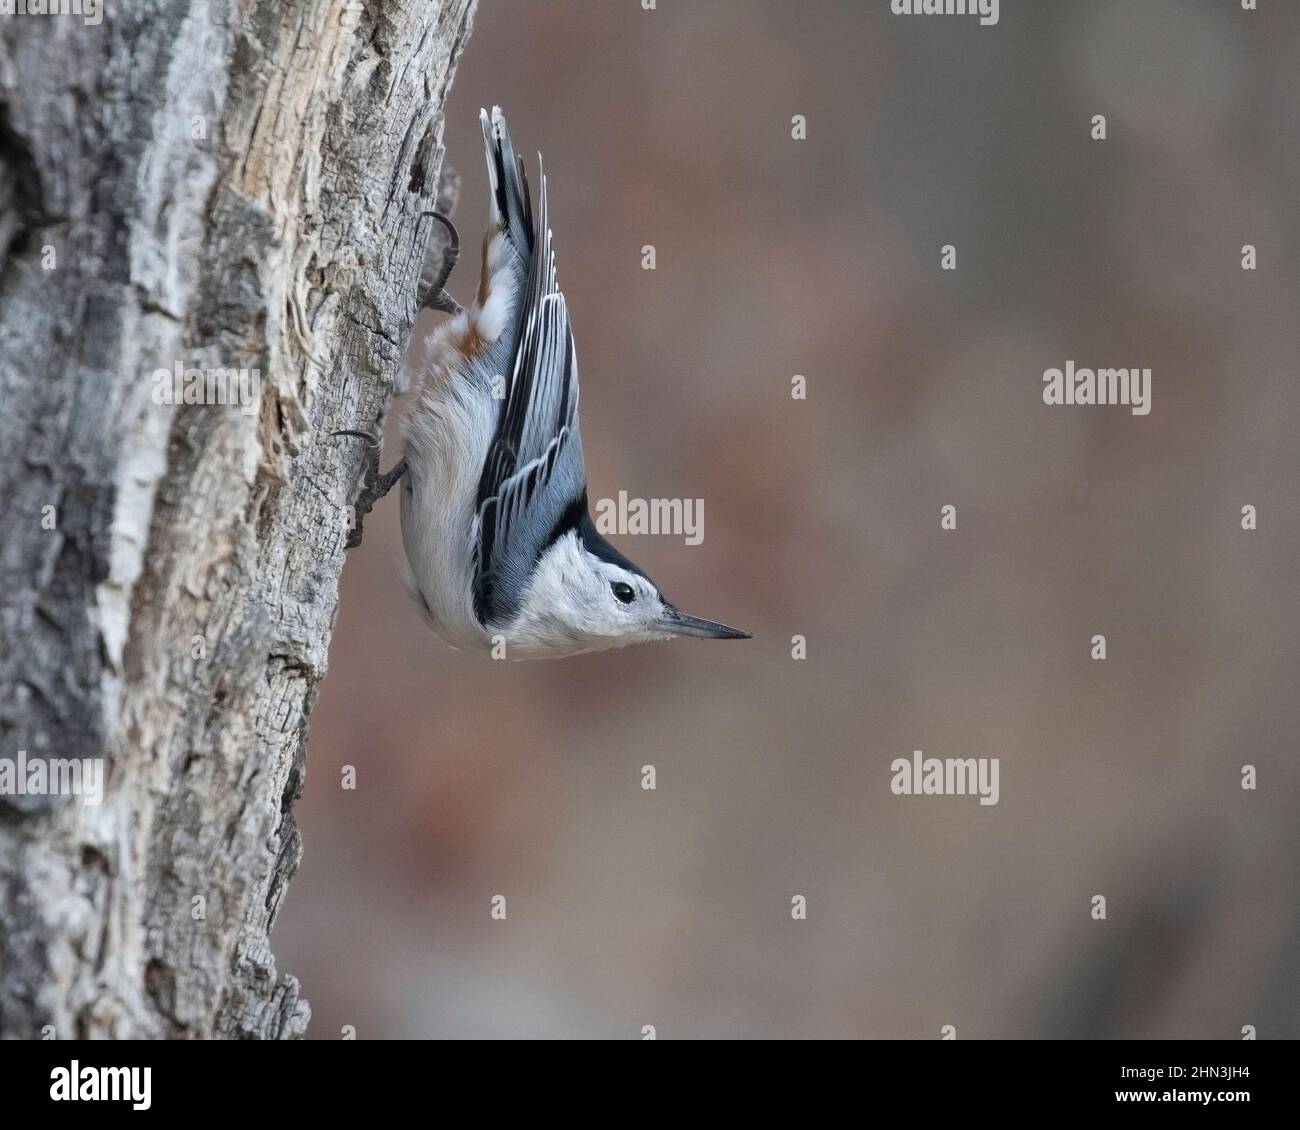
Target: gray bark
(216,184)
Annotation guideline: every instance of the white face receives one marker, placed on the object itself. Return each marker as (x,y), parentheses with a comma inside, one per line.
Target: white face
(578,602)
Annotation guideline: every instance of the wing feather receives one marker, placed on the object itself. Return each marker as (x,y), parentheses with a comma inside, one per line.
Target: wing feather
(533,479)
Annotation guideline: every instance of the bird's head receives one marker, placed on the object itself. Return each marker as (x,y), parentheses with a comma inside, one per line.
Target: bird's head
(586,596)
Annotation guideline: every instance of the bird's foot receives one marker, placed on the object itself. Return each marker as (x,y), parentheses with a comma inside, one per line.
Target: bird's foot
(374,484)
(441,257)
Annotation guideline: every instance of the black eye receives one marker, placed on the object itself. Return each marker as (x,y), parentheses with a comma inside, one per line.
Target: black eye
(623,592)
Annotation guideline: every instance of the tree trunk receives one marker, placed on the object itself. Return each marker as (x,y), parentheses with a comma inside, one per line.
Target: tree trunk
(190,184)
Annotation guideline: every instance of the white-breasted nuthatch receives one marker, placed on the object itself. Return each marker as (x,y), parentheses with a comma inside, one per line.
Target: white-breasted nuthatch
(500,546)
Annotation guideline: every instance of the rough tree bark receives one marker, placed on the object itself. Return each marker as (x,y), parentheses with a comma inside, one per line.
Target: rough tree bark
(214,183)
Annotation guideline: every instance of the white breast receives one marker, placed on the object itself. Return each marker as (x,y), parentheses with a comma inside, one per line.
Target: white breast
(447,436)
(448,432)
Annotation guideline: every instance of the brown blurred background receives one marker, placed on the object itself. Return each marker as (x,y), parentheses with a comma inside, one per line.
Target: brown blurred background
(821,258)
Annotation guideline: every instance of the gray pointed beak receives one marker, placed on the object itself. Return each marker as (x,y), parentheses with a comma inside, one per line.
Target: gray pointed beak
(681,624)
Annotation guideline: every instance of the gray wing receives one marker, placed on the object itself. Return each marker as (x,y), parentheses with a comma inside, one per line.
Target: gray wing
(533,485)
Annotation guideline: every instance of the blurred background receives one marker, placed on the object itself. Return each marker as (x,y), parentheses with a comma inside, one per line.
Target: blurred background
(820,257)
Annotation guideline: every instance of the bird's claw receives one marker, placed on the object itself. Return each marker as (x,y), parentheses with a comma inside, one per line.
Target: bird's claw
(439,260)
(374,485)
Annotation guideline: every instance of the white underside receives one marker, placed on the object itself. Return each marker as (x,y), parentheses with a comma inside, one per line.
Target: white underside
(447,436)
(447,432)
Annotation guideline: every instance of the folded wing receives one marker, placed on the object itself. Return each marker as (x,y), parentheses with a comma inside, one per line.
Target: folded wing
(533,484)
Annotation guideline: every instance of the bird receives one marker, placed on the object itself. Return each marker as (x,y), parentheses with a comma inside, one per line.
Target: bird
(502,555)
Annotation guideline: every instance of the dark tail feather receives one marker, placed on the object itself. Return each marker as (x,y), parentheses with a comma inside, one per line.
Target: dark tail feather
(510,196)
